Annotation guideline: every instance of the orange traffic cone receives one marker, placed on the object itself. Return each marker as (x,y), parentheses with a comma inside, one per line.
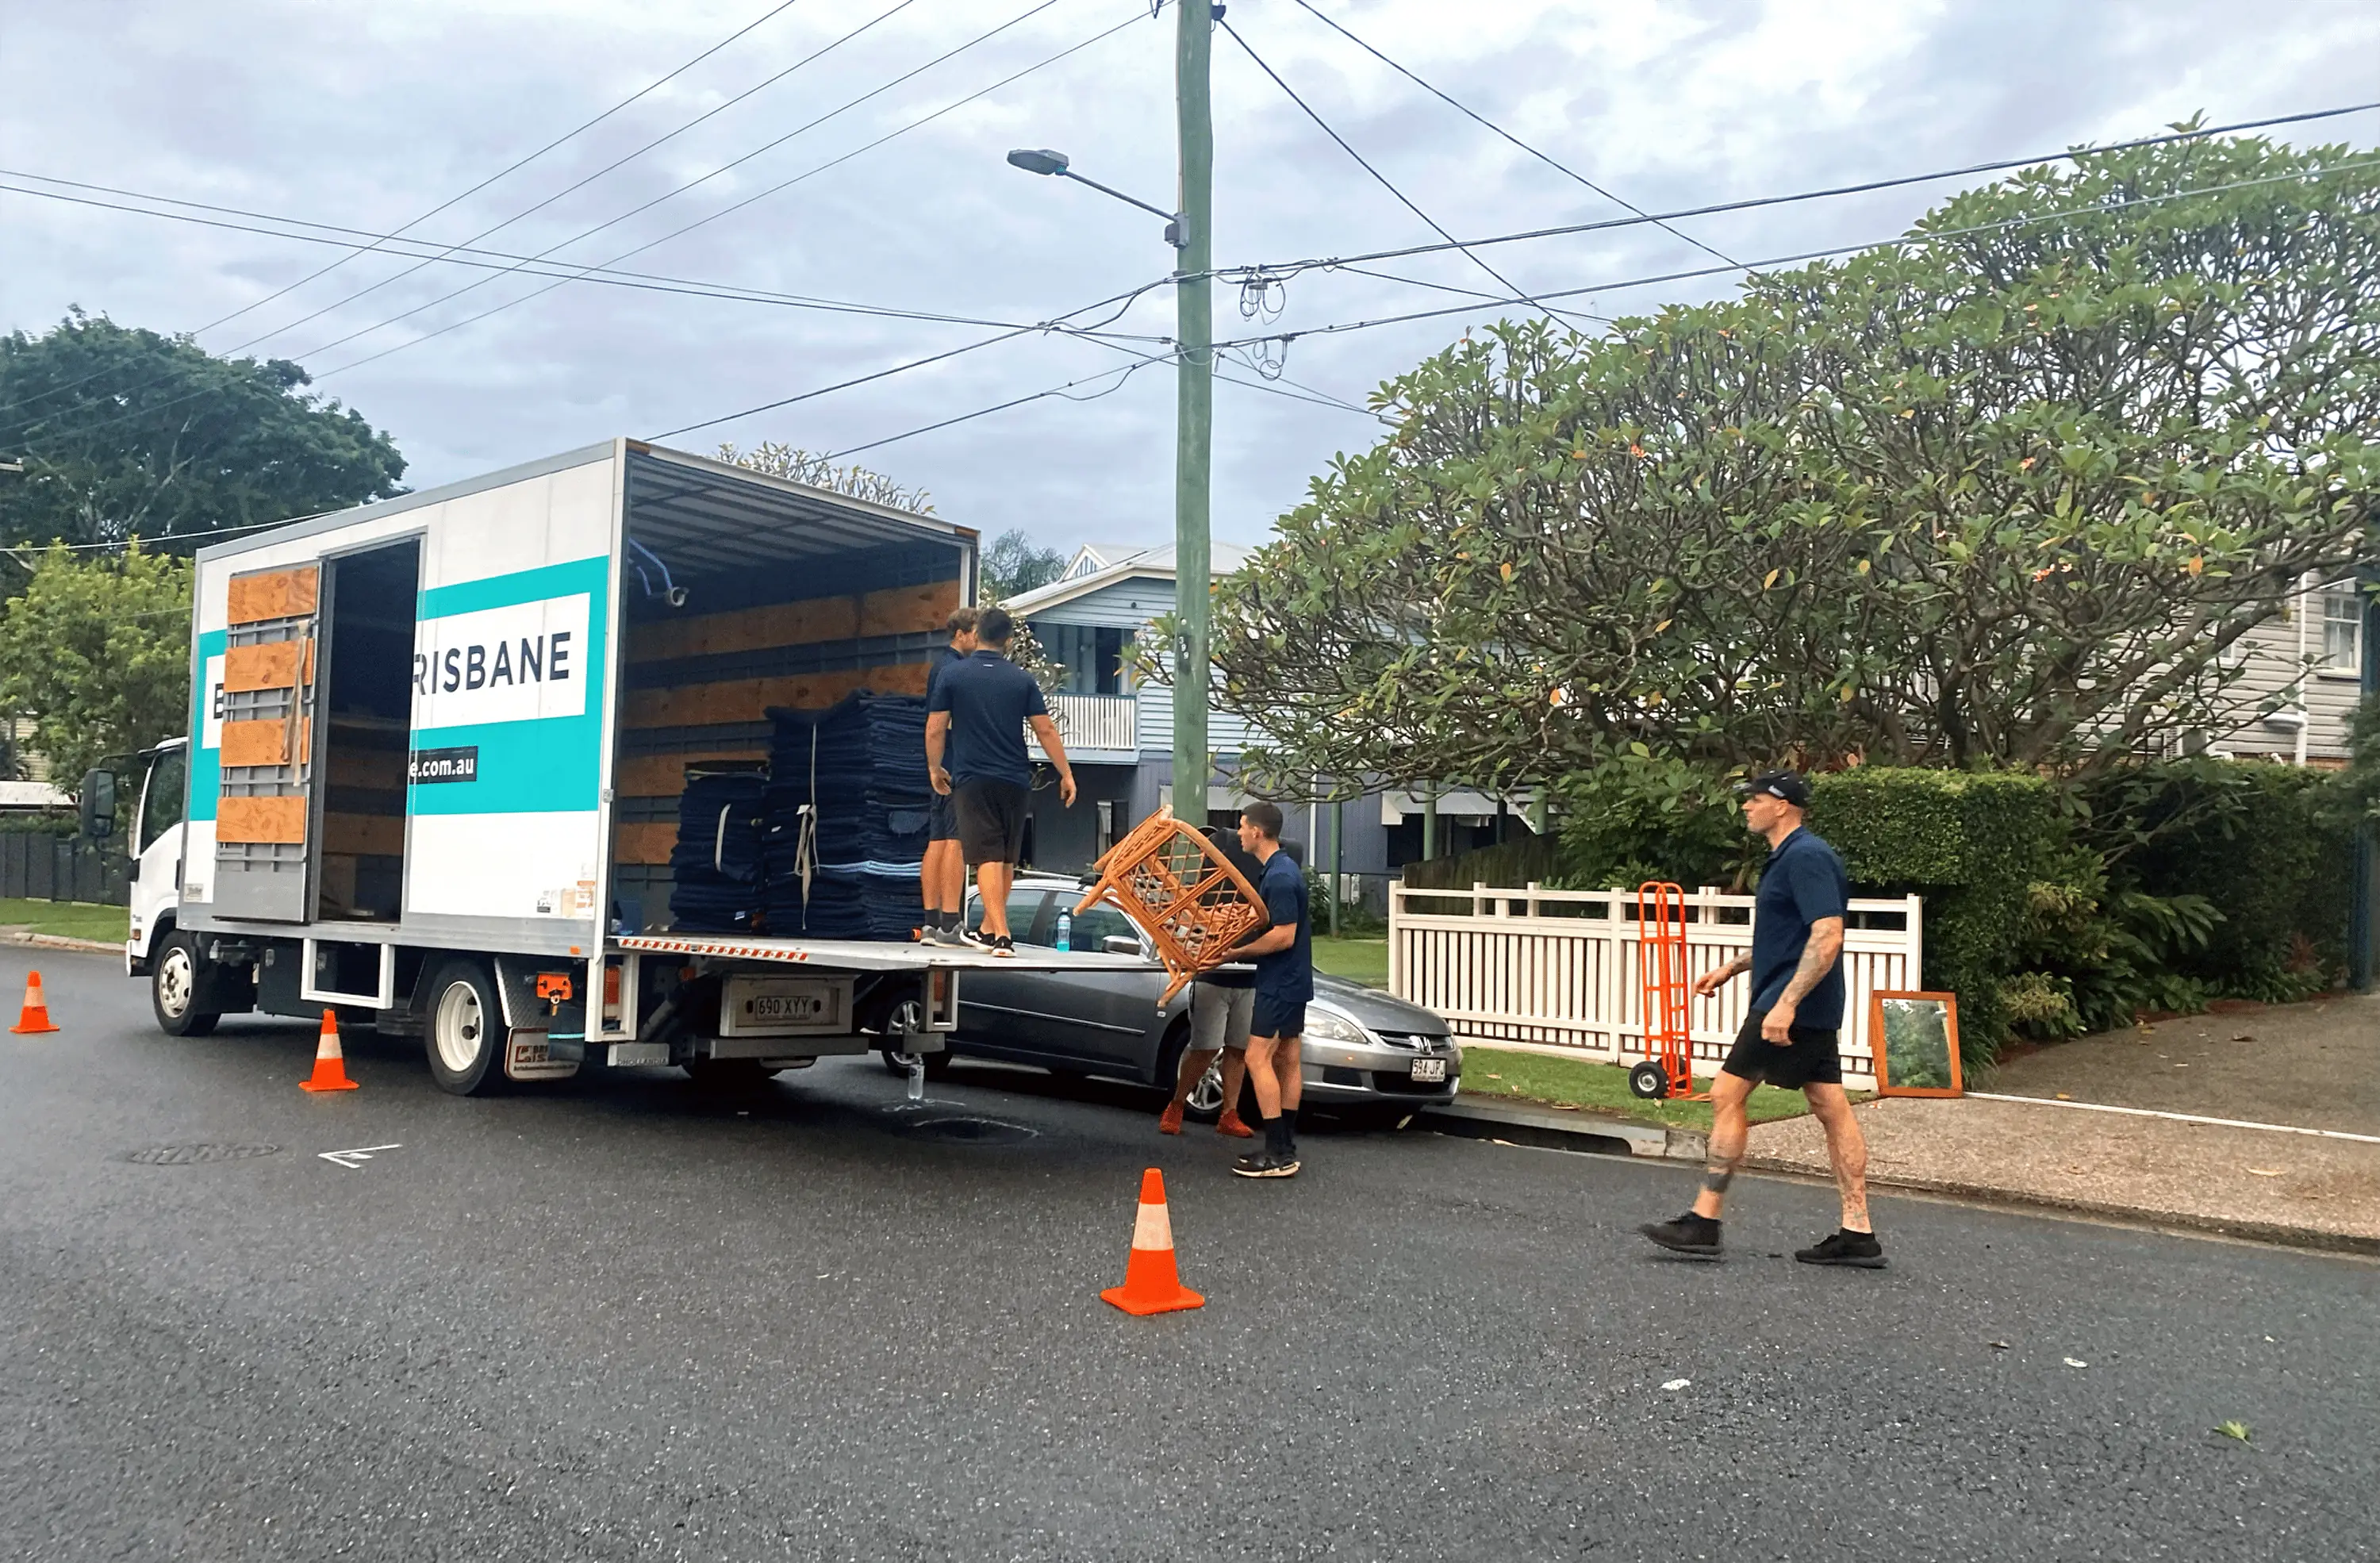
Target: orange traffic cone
(329,1064)
(1151,1285)
(35,1019)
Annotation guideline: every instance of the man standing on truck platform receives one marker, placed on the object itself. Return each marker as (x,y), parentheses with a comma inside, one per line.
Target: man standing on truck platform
(944,872)
(978,709)
(1284,959)
(1222,1006)
(1789,1034)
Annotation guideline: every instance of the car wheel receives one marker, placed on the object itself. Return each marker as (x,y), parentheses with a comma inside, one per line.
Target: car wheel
(729,1074)
(464,1038)
(907,1016)
(174,974)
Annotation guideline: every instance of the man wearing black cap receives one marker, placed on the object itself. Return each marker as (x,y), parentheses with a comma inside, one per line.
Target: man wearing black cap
(1788,1039)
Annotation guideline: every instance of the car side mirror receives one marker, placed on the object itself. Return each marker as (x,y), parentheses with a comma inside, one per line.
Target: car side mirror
(1121,944)
(98,805)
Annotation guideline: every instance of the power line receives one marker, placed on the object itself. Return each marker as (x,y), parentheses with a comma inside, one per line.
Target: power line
(1402,199)
(1122,300)
(811,173)
(1278,269)
(782,185)
(1483,120)
(2093,209)
(1121,373)
(515,167)
(540,206)
(459,256)
(510,168)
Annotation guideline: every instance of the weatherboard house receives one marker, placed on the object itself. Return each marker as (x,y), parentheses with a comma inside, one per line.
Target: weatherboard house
(1119,732)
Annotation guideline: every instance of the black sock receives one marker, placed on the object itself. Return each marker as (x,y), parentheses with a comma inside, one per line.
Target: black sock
(1276,1136)
(1289,1132)
(953,921)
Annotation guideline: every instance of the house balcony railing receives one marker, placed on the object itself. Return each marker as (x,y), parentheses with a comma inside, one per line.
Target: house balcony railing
(1097,727)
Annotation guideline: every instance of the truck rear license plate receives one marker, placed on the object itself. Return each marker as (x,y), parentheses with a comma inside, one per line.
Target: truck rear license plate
(1429,1069)
(776,1006)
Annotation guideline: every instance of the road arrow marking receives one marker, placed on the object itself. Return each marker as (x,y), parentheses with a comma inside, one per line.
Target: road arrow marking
(353,1160)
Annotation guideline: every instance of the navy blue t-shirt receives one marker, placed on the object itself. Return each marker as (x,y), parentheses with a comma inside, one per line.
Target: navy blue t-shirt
(1286,974)
(1804,881)
(943,658)
(990,699)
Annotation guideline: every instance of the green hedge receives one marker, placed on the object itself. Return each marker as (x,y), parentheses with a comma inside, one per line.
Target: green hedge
(1972,845)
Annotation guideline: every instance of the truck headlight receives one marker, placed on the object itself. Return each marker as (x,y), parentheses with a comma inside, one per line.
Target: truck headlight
(1330,1026)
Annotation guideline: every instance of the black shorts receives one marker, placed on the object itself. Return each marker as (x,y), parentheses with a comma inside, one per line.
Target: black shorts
(942,818)
(1280,1018)
(1811,1061)
(991,817)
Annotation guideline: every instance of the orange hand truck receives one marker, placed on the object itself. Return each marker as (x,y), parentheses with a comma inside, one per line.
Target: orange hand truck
(1668,1066)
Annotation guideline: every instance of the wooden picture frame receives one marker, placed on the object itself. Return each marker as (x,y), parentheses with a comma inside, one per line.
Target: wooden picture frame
(1917,1013)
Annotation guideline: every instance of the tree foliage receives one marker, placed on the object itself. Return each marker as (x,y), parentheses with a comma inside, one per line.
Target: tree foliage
(97,653)
(2002,496)
(1013,565)
(796,464)
(125,432)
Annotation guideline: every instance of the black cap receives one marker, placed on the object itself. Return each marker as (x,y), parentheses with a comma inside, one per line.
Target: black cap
(1785,784)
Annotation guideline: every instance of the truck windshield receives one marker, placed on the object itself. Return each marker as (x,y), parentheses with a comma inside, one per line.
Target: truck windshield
(162,796)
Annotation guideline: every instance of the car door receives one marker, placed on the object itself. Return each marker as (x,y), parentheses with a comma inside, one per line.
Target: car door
(1104,1021)
(996,1008)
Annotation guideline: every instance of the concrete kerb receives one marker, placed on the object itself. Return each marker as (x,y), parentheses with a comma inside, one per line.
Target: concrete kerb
(58,941)
(1528,1123)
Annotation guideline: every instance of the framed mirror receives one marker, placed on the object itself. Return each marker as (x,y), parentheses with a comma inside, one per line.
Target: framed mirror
(1917,1041)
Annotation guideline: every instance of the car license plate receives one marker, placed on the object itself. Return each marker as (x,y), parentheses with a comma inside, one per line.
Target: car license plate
(1429,1069)
(784,1007)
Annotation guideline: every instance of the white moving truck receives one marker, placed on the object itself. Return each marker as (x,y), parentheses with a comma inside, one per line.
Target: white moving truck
(437,750)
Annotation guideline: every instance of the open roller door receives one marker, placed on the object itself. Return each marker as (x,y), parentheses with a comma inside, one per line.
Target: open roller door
(268,693)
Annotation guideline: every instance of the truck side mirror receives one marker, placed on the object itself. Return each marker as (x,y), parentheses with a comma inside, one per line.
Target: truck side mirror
(98,805)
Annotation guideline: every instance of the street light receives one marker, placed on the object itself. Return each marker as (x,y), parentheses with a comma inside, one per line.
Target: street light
(1186,231)
(1041,160)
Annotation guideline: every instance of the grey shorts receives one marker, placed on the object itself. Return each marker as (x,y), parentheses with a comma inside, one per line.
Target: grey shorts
(1220,1016)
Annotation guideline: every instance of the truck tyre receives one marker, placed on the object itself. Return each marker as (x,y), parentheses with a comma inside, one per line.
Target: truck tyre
(907,1016)
(175,968)
(464,1038)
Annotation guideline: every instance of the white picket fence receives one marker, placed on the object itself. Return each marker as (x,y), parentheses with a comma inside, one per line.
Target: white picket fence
(1557,971)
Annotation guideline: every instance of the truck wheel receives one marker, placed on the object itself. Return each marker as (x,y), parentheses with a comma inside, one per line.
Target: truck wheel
(174,974)
(465,1037)
(910,1015)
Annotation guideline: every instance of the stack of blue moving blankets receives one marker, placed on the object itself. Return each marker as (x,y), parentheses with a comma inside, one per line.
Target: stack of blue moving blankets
(716,867)
(840,832)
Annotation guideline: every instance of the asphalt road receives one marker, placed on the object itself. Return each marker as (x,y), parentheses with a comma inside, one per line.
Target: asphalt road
(623,1319)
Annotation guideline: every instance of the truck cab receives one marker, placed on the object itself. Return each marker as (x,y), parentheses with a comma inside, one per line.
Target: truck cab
(160,785)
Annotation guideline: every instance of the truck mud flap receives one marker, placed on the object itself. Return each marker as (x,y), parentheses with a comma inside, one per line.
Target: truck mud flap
(529,1056)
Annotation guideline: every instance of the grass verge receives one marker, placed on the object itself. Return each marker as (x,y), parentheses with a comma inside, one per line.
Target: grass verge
(69,919)
(1356,960)
(1599,1087)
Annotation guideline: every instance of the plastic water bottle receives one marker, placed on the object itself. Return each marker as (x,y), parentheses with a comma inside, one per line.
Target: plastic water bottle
(1066,930)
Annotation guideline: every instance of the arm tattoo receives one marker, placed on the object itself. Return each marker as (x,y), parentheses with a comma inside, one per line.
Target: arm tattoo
(1816,960)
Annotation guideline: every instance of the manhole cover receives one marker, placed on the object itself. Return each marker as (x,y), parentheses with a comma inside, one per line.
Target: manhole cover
(971,1130)
(192,1155)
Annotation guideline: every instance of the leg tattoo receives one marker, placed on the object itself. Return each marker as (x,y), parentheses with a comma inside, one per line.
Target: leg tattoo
(1717,1175)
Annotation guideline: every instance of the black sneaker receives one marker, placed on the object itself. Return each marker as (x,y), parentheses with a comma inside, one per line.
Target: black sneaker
(1695,1236)
(975,939)
(1858,1249)
(1265,1164)
(1004,945)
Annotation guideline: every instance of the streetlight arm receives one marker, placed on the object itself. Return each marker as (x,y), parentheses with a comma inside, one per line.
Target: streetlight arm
(1104,190)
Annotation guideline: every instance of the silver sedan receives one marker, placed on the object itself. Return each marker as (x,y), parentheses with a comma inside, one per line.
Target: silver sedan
(1364,1049)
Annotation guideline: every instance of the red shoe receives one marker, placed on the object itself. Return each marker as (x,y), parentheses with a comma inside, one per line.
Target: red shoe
(1170,1120)
(1230,1124)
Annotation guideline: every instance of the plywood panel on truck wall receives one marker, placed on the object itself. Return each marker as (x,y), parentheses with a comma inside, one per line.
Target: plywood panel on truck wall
(507,761)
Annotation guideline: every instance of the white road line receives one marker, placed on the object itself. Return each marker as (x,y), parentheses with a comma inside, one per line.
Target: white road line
(2184,1118)
(353,1160)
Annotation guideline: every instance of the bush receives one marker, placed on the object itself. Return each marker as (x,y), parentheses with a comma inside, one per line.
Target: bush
(2267,845)
(1643,818)
(1972,845)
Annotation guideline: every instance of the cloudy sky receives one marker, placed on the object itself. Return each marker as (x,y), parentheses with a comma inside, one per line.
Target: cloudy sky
(367,117)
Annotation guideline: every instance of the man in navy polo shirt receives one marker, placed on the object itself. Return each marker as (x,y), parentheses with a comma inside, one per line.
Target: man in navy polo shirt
(944,875)
(977,708)
(1788,1039)
(1284,961)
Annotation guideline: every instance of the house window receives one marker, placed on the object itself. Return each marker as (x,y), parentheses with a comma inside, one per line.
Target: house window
(2342,629)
